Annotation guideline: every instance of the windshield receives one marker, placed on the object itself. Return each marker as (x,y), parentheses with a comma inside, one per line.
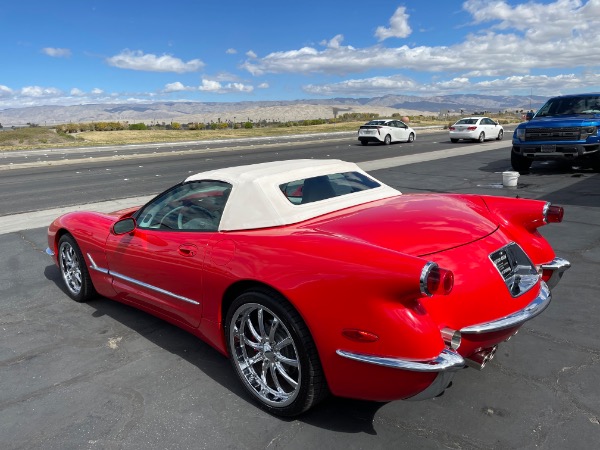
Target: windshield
(589,104)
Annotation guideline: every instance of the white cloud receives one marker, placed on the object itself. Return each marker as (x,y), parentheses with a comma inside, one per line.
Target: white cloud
(367,86)
(77,92)
(399,26)
(216,87)
(231,51)
(514,40)
(335,42)
(5,91)
(379,86)
(137,60)
(97,91)
(177,87)
(251,54)
(239,87)
(57,52)
(210,86)
(263,86)
(37,92)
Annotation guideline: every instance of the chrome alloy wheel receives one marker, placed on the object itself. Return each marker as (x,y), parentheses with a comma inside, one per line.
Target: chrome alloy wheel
(265,354)
(70,267)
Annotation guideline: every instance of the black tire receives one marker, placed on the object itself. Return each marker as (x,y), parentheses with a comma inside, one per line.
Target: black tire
(364,142)
(411,138)
(520,163)
(73,270)
(481,137)
(500,135)
(387,140)
(454,141)
(596,163)
(287,380)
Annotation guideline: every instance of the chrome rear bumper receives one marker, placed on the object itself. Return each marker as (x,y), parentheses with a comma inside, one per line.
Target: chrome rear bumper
(536,307)
(558,266)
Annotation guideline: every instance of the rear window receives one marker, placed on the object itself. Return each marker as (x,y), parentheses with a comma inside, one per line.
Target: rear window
(466,122)
(314,189)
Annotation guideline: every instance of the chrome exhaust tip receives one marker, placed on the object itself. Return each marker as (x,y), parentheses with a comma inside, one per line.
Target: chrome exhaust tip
(452,338)
(479,359)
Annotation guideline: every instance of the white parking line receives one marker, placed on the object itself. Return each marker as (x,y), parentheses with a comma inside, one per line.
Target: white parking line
(38,219)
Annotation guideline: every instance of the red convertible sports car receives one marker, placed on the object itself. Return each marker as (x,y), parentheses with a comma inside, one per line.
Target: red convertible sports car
(313,277)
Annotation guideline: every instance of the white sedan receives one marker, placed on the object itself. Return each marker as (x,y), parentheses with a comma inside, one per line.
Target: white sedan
(476,129)
(385,131)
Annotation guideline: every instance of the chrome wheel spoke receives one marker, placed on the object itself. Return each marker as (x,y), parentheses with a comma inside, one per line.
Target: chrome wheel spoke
(265,354)
(281,370)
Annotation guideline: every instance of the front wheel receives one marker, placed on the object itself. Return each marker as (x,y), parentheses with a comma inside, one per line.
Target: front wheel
(273,353)
(387,140)
(500,135)
(520,163)
(74,272)
(411,137)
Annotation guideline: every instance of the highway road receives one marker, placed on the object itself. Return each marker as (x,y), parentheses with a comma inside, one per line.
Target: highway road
(102,375)
(44,179)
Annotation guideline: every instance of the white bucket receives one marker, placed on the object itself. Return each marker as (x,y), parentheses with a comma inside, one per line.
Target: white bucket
(510,179)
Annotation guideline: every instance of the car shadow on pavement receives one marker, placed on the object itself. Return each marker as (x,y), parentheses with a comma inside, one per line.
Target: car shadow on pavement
(337,414)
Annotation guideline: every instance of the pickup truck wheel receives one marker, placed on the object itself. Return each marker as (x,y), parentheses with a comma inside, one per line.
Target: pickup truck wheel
(520,163)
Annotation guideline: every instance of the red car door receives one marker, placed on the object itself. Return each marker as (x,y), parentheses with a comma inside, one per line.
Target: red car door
(161,270)
(160,263)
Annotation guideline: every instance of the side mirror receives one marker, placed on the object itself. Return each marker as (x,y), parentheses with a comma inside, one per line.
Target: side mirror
(124,226)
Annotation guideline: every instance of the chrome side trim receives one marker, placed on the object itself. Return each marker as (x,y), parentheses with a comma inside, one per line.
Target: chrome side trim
(558,266)
(539,304)
(49,251)
(97,268)
(447,360)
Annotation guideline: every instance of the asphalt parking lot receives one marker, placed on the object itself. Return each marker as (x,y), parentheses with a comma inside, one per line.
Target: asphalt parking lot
(104,375)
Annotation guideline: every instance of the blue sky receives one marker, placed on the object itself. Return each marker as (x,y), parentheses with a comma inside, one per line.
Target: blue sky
(84,51)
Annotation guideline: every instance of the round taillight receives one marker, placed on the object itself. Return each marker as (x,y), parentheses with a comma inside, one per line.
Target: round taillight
(435,280)
(553,214)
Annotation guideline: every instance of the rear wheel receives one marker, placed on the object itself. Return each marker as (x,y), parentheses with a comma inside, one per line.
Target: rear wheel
(74,272)
(453,140)
(387,140)
(273,353)
(481,137)
(411,137)
(520,163)
(500,135)
(364,142)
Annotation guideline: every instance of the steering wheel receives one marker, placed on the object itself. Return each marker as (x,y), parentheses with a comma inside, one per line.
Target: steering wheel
(193,214)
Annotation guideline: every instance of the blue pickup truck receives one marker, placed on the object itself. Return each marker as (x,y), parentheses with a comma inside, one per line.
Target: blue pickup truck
(566,129)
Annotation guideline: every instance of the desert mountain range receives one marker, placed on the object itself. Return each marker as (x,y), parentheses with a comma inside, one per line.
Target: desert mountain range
(280,111)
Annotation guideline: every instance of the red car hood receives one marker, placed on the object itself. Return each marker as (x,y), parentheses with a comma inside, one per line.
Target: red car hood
(415,224)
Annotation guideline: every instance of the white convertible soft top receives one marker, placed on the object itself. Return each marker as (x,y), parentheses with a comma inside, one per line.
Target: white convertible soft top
(256,200)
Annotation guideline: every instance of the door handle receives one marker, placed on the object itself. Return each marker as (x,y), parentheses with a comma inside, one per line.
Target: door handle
(188,250)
